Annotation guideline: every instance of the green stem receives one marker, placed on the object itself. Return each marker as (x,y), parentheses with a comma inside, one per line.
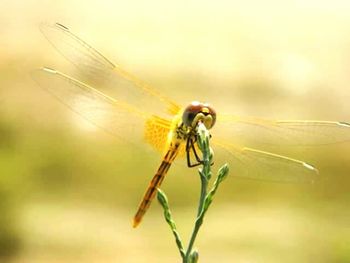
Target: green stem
(205,175)
(204,186)
(205,199)
(199,219)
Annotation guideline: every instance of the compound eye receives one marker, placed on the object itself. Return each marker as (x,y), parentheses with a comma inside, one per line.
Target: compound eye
(190,113)
(212,112)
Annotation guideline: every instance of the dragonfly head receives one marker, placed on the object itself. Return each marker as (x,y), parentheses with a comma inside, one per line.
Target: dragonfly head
(196,112)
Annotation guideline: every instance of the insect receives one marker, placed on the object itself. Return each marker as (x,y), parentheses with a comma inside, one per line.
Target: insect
(136,110)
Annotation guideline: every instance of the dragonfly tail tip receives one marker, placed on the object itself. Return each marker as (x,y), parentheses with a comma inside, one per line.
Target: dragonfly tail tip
(135,222)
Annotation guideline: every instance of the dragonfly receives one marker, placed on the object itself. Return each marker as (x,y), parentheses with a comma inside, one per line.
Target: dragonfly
(121,104)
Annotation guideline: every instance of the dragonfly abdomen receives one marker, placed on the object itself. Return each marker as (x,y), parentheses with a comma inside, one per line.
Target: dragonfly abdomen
(155,183)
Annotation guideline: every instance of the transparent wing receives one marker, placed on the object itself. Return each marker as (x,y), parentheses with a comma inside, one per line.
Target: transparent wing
(113,116)
(248,131)
(103,74)
(255,164)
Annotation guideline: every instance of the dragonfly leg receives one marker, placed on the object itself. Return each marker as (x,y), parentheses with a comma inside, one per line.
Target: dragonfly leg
(195,152)
(190,147)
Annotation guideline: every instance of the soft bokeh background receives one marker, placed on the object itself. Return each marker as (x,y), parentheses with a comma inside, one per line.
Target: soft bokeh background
(68,191)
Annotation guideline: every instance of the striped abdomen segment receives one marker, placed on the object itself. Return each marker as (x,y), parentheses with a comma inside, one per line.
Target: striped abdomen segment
(155,183)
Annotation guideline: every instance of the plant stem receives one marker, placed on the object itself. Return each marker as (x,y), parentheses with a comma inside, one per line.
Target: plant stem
(205,199)
(199,219)
(205,175)
(204,186)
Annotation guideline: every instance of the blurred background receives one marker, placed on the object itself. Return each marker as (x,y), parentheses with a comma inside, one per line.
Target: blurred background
(68,191)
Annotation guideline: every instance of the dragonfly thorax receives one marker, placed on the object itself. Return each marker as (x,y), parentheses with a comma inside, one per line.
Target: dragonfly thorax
(199,112)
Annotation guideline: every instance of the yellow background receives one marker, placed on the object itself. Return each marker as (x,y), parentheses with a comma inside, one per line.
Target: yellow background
(68,191)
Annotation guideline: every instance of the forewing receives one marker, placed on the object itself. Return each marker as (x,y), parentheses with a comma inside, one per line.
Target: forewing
(255,164)
(113,116)
(250,131)
(104,75)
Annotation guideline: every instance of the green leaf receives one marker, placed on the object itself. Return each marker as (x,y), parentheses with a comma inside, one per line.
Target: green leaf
(222,173)
(163,200)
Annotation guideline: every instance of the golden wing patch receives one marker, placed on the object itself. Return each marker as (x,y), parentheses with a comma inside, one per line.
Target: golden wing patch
(156,132)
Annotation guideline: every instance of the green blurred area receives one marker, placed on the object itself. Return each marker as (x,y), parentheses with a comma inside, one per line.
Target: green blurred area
(68,191)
